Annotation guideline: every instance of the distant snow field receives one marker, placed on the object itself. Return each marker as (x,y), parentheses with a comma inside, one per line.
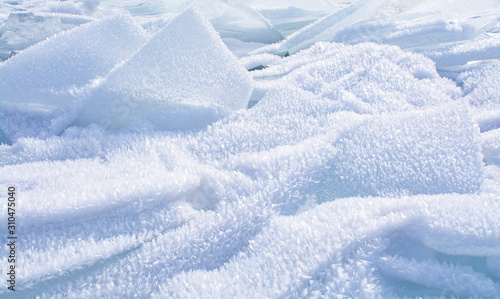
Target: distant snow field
(250,149)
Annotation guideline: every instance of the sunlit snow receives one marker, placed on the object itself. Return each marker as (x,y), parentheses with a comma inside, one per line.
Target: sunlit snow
(251,149)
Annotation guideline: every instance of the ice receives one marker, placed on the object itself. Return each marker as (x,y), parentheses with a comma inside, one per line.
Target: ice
(357,248)
(231,18)
(24,29)
(73,7)
(466,54)
(291,16)
(235,19)
(149,162)
(184,77)
(359,82)
(415,25)
(481,86)
(324,28)
(240,48)
(50,74)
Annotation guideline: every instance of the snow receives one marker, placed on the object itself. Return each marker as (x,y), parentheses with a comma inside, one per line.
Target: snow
(359,158)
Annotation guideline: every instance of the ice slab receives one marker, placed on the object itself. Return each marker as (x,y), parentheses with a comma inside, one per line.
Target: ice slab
(360,247)
(287,20)
(481,86)
(428,152)
(184,77)
(325,28)
(51,74)
(420,26)
(24,29)
(481,50)
(235,19)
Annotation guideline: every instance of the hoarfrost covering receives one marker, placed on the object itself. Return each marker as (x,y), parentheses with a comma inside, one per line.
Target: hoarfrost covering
(235,19)
(408,24)
(358,171)
(47,75)
(183,77)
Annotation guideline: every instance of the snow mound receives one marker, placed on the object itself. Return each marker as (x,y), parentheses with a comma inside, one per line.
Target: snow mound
(183,77)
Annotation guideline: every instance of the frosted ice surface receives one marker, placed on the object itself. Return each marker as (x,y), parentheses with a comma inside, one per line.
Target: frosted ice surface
(465,54)
(50,74)
(364,78)
(359,248)
(184,77)
(481,86)
(253,205)
(324,28)
(420,25)
(24,29)
(235,19)
(429,152)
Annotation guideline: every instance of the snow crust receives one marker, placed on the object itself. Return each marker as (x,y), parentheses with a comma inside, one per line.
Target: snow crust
(359,158)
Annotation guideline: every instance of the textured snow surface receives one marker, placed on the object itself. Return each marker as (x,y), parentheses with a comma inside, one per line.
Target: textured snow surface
(149,162)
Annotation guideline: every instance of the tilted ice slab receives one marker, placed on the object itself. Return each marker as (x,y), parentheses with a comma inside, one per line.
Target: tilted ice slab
(50,74)
(290,16)
(426,25)
(184,77)
(323,29)
(25,29)
(460,55)
(427,152)
(363,247)
(235,19)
